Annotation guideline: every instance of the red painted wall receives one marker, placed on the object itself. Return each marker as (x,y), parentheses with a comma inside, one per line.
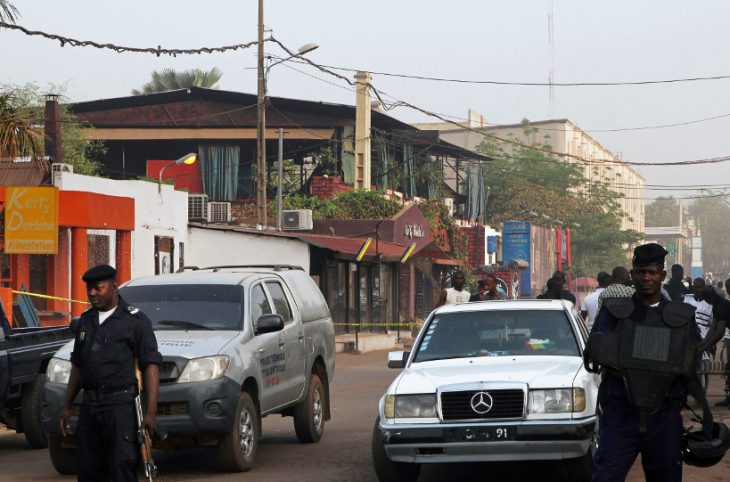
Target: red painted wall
(184,176)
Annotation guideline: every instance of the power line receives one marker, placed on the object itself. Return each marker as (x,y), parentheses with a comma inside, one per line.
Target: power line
(528,84)
(121,49)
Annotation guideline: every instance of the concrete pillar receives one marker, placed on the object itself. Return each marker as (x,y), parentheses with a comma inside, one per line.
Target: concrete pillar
(79,265)
(412,292)
(20,271)
(58,274)
(124,256)
(362,130)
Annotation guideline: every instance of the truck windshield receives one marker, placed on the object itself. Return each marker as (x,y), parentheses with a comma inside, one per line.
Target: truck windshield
(189,307)
(498,333)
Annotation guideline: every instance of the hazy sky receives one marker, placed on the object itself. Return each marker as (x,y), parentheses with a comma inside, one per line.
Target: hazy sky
(490,40)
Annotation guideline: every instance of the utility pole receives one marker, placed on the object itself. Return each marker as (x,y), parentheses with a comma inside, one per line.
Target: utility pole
(362,130)
(261,128)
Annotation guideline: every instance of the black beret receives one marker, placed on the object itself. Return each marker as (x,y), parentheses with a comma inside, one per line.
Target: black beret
(99,273)
(650,253)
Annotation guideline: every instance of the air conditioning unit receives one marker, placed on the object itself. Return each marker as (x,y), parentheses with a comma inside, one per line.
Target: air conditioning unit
(56,169)
(198,207)
(219,212)
(297,220)
(449,203)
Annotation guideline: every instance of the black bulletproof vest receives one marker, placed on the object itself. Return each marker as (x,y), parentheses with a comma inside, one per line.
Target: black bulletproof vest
(650,347)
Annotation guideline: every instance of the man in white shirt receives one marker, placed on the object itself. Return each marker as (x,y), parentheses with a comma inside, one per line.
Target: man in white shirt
(703,310)
(455,295)
(590,304)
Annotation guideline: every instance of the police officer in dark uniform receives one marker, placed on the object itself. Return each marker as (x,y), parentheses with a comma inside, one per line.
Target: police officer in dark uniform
(647,348)
(111,336)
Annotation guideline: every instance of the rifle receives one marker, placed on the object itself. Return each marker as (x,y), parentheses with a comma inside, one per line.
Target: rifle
(143,436)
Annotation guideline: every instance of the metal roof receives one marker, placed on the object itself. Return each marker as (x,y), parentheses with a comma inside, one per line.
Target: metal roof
(24,172)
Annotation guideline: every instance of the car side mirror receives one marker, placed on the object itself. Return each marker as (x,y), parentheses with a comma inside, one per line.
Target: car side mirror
(269,324)
(398,359)
(74,325)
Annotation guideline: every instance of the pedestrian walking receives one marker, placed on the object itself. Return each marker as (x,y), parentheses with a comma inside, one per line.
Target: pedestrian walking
(620,288)
(718,289)
(703,311)
(112,338)
(555,291)
(675,286)
(590,304)
(566,295)
(641,407)
(456,294)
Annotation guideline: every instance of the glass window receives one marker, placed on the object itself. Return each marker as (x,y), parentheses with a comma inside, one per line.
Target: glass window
(194,307)
(498,333)
(281,304)
(259,304)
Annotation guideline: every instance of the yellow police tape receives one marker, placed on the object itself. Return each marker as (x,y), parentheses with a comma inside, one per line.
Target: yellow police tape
(361,325)
(49,297)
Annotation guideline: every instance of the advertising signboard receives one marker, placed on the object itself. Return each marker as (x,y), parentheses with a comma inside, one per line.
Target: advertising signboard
(31,220)
(516,244)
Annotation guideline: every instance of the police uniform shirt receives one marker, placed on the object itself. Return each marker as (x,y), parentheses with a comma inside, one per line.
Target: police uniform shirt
(105,353)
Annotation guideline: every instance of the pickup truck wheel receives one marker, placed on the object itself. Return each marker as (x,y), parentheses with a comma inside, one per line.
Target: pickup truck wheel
(309,414)
(386,469)
(63,459)
(31,413)
(237,450)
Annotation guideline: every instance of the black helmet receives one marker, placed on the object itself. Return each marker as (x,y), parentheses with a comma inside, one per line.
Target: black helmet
(703,452)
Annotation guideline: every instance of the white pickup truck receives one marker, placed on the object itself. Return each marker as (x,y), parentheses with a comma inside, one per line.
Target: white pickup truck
(490,381)
(238,343)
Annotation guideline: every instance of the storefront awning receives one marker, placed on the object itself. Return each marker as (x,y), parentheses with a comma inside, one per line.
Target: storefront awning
(348,247)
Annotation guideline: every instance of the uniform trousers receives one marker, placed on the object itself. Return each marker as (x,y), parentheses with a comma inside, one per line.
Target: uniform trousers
(107,442)
(622,439)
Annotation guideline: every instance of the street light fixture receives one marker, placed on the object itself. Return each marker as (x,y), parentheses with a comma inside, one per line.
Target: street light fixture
(187,159)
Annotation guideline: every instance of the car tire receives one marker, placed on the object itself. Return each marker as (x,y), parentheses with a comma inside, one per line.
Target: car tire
(237,450)
(309,413)
(386,469)
(63,459)
(31,413)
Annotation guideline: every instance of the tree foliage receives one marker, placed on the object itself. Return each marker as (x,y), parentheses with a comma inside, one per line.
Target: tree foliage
(711,214)
(663,211)
(528,184)
(8,12)
(353,204)
(18,135)
(170,79)
(27,103)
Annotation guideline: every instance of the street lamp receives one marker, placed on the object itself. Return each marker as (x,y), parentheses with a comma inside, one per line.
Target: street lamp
(187,159)
(263,73)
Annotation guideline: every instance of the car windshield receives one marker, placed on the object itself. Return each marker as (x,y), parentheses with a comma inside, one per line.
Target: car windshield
(497,333)
(189,307)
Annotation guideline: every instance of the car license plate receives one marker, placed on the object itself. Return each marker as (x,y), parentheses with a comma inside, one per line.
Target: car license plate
(480,434)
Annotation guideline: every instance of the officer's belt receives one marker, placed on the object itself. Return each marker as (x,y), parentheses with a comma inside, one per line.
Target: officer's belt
(121,393)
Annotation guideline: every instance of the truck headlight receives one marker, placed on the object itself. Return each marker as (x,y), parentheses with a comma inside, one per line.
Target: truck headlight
(58,371)
(557,400)
(206,368)
(410,406)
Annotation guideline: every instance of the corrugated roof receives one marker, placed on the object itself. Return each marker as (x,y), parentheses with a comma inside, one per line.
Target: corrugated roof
(24,172)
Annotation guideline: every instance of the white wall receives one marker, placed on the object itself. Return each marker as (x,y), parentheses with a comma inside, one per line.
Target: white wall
(215,247)
(156,213)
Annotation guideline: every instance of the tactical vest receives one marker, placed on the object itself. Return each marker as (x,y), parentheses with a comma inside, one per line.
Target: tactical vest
(650,352)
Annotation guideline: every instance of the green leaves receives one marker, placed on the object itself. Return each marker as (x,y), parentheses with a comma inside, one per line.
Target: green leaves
(18,135)
(170,79)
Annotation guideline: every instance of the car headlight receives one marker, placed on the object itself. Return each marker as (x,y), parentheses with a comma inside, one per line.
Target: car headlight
(557,400)
(58,371)
(410,406)
(202,369)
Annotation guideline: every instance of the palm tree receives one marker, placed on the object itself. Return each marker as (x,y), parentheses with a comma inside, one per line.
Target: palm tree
(8,13)
(18,136)
(169,79)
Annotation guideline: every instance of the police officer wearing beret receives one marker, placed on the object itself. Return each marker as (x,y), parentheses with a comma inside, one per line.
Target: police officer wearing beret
(641,401)
(111,336)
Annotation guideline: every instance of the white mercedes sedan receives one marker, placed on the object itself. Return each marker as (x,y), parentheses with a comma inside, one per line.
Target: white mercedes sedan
(486,382)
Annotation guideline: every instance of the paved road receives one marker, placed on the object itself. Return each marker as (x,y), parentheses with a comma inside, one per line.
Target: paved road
(342,455)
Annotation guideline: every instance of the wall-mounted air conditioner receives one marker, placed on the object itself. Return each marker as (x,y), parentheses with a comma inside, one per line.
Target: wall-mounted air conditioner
(198,207)
(298,220)
(219,212)
(449,203)
(56,169)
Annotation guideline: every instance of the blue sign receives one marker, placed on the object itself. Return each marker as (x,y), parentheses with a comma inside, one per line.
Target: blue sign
(491,244)
(516,244)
